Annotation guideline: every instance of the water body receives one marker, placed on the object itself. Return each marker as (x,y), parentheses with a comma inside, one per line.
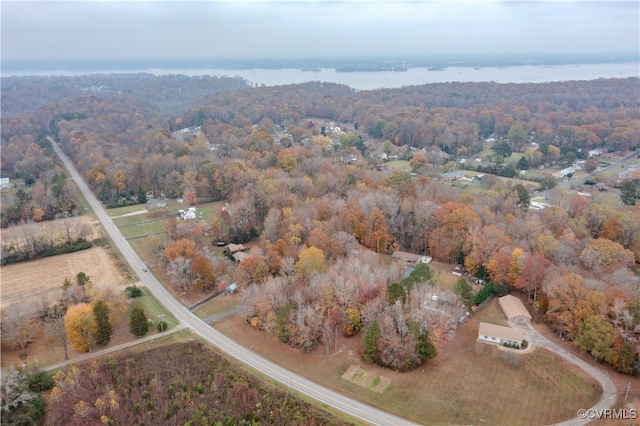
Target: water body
(369,80)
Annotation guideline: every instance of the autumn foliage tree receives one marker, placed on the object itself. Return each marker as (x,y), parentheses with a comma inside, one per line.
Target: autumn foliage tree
(80,325)
(452,221)
(310,260)
(183,247)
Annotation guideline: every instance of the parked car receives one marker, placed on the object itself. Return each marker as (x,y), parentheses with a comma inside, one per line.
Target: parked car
(221,243)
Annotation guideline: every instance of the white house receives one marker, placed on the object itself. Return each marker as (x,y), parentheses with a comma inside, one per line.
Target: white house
(190,213)
(500,335)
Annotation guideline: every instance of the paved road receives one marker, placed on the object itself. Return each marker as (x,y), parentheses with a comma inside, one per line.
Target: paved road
(608,398)
(333,399)
(581,180)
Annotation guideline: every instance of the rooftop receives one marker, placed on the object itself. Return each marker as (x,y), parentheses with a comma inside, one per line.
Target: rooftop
(505,333)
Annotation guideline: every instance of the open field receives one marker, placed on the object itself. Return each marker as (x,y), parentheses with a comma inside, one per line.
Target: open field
(398,165)
(468,383)
(43,277)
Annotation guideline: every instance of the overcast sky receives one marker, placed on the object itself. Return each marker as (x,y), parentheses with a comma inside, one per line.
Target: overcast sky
(87,30)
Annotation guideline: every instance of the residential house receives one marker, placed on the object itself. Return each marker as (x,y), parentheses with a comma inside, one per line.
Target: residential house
(457,175)
(231,249)
(156,203)
(239,256)
(513,309)
(491,333)
(205,228)
(190,213)
(5,184)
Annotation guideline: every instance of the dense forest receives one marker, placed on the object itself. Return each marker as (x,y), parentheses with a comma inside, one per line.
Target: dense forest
(182,384)
(302,171)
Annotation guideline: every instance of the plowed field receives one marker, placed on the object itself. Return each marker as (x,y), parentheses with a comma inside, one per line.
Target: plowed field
(43,277)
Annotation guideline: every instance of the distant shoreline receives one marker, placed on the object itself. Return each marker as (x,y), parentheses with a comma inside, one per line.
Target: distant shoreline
(11,67)
(364,77)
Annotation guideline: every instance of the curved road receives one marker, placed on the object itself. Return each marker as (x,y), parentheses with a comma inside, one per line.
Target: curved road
(333,399)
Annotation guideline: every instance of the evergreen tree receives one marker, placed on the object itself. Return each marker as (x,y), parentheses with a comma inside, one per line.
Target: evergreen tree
(628,193)
(138,324)
(464,290)
(371,342)
(523,196)
(103,323)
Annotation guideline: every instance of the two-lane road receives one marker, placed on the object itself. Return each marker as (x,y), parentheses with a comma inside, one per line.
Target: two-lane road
(186,318)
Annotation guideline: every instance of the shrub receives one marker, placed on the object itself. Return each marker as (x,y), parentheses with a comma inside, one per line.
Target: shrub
(133,291)
(162,326)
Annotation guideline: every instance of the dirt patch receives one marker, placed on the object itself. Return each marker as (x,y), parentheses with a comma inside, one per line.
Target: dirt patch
(42,278)
(366,379)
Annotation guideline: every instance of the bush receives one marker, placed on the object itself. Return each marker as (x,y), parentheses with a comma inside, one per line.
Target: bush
(133,292)
(162,326)
(39,381)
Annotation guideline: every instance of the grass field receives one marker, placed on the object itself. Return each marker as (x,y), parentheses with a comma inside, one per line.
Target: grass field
(468,383)
(219,305)
(399,165)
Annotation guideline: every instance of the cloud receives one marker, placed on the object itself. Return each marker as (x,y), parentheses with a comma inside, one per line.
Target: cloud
(157,29)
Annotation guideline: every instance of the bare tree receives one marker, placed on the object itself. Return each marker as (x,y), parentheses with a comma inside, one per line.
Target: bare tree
(54,318)
(19,324)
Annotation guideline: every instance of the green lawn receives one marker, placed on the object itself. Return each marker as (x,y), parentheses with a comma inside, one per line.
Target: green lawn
(218,305)
(152,309)
(142,229)
(119,211)
(399,165)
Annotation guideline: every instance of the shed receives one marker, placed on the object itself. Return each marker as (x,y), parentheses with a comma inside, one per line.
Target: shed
(498,334)
(232,289)
(513,309)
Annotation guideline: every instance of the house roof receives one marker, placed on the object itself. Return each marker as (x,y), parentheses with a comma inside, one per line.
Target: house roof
(505,333)
(235,247)
(512,306)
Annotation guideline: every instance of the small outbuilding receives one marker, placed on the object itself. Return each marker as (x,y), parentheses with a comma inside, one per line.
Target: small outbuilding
(498,334)
(232,289)
(514,309)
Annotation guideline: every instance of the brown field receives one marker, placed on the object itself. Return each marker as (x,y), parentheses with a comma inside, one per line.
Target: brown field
(465,384)
(43,277)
